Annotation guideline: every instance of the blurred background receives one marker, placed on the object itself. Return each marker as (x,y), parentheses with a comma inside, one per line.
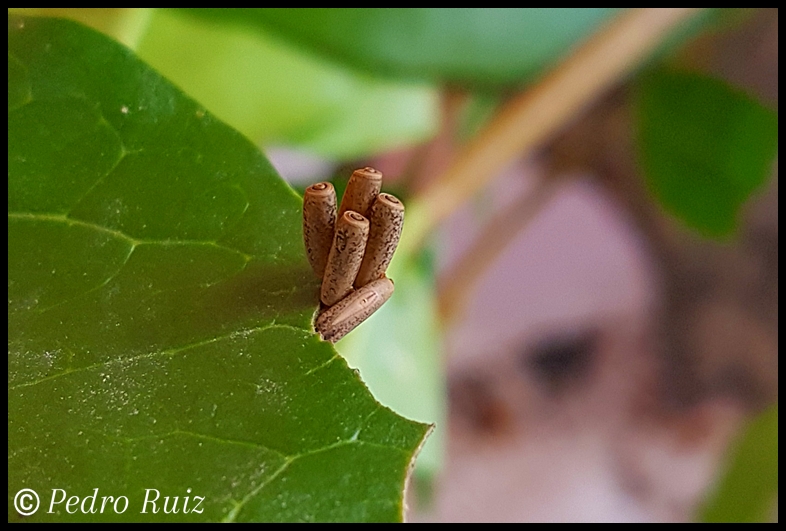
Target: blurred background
(587,288)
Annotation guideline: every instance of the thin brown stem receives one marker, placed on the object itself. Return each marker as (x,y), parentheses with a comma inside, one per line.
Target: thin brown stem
(534,116)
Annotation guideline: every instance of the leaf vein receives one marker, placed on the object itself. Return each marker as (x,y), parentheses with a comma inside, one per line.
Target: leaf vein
(149,355)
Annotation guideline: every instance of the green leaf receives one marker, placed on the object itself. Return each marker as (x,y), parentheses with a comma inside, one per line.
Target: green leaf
(274,93)
(476,47)
(704,147)
(160,306)
(748,489)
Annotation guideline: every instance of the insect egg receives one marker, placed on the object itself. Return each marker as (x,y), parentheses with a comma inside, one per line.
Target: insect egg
(346,255)
(319,220)
(362,189)
(343,317)
(386,221)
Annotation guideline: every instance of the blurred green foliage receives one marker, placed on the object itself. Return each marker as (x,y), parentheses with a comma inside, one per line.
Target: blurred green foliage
(748,487)
(704,147)
(274,93)
(479,48)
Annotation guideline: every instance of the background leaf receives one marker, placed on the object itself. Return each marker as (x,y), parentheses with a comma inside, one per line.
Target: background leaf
(748,489)
(477,47)
(704,147)
(160,308)
(275,93)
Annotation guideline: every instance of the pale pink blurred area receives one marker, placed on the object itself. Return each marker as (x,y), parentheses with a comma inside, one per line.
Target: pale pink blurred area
(576,262)
(596,447)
